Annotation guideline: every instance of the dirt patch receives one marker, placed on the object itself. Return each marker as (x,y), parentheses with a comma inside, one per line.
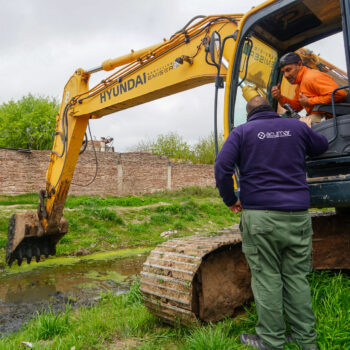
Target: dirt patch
(223,283)
(124,344)
(142,206)
(81,252)
(121,209)
(16,208)
(331,241)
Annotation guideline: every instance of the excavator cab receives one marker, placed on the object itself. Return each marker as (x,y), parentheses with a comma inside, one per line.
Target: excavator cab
(266,33)
(270,31)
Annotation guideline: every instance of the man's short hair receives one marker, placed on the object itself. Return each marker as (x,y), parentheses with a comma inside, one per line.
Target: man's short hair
(256,102)
(289,58)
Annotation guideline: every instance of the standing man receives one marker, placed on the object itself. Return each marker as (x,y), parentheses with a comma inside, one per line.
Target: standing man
(313,87)
(275,223)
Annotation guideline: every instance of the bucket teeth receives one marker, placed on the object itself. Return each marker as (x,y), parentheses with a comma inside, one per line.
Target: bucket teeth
(32,247)
(20,254)
(29,254)
(46,250)
(36,251)
(52,249)
(19,257)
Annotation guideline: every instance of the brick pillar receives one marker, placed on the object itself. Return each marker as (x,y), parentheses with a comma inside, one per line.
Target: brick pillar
(169,177)
(120,177)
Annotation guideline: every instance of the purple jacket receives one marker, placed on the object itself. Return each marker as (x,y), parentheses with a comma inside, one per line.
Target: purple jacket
(270,154)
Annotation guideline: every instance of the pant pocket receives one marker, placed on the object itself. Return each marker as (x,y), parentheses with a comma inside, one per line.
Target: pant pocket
(307,238)
(252,255)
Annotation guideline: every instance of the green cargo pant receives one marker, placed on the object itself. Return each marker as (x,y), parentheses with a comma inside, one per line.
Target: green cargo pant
(278,248)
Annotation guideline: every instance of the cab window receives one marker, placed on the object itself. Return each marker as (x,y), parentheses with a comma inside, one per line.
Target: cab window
(255,75)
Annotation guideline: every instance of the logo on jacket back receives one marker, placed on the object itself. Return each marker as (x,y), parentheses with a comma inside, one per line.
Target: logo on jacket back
(273,134)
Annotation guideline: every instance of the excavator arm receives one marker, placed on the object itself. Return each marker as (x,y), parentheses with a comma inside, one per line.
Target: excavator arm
(180,63)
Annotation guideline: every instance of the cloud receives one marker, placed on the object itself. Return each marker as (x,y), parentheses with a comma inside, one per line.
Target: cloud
(43,42)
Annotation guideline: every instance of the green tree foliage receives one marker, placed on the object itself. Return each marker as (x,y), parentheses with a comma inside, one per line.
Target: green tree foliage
(28,122)
(204,149)
(173,146)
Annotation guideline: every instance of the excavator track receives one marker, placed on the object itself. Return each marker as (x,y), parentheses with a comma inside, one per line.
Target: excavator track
(196,278)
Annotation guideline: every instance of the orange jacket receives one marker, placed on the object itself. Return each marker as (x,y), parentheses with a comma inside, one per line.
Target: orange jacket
(316,86)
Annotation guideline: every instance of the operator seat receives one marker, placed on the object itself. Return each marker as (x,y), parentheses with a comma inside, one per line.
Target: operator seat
(341,108)
(336,160)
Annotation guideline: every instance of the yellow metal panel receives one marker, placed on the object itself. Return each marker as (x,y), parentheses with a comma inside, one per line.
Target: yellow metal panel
(61,169)
(158,78)
(120,61)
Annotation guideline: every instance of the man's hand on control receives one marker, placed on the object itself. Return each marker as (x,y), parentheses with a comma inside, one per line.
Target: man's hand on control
(236,207)
(303,100)
(307,120)
(276,91)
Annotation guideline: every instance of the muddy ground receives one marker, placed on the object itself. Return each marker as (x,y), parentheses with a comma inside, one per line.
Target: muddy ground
(23,295)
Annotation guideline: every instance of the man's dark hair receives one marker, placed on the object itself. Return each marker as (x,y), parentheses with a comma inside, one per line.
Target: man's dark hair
(256,102)
(289,58)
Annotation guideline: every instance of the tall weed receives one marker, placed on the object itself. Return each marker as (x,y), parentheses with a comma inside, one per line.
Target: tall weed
(212,337)
(331,304)
(48,324)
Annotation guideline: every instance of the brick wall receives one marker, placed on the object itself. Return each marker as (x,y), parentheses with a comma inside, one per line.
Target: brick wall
(118,173)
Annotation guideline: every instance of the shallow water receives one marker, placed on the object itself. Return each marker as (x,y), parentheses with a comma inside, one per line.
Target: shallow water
(24,293)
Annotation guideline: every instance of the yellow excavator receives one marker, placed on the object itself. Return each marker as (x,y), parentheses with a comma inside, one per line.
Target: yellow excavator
(206,278)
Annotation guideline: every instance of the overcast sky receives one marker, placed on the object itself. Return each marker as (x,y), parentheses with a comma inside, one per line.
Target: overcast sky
(42,42)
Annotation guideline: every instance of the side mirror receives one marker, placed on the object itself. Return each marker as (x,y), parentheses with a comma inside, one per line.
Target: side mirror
(215,48)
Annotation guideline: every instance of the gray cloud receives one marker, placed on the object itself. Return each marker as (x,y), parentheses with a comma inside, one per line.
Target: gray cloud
(43,42)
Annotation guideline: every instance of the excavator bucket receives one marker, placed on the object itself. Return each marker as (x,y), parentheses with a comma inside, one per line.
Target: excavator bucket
(26,238)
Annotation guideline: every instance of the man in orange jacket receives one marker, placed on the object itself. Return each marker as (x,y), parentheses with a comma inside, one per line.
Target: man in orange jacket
(313,87)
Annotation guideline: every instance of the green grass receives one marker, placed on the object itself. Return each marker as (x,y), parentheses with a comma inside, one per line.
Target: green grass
(98,223)
(48,324)
(212,337)
(331,303)
(94,201)
(29,198)
(107,223)
(125,318)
